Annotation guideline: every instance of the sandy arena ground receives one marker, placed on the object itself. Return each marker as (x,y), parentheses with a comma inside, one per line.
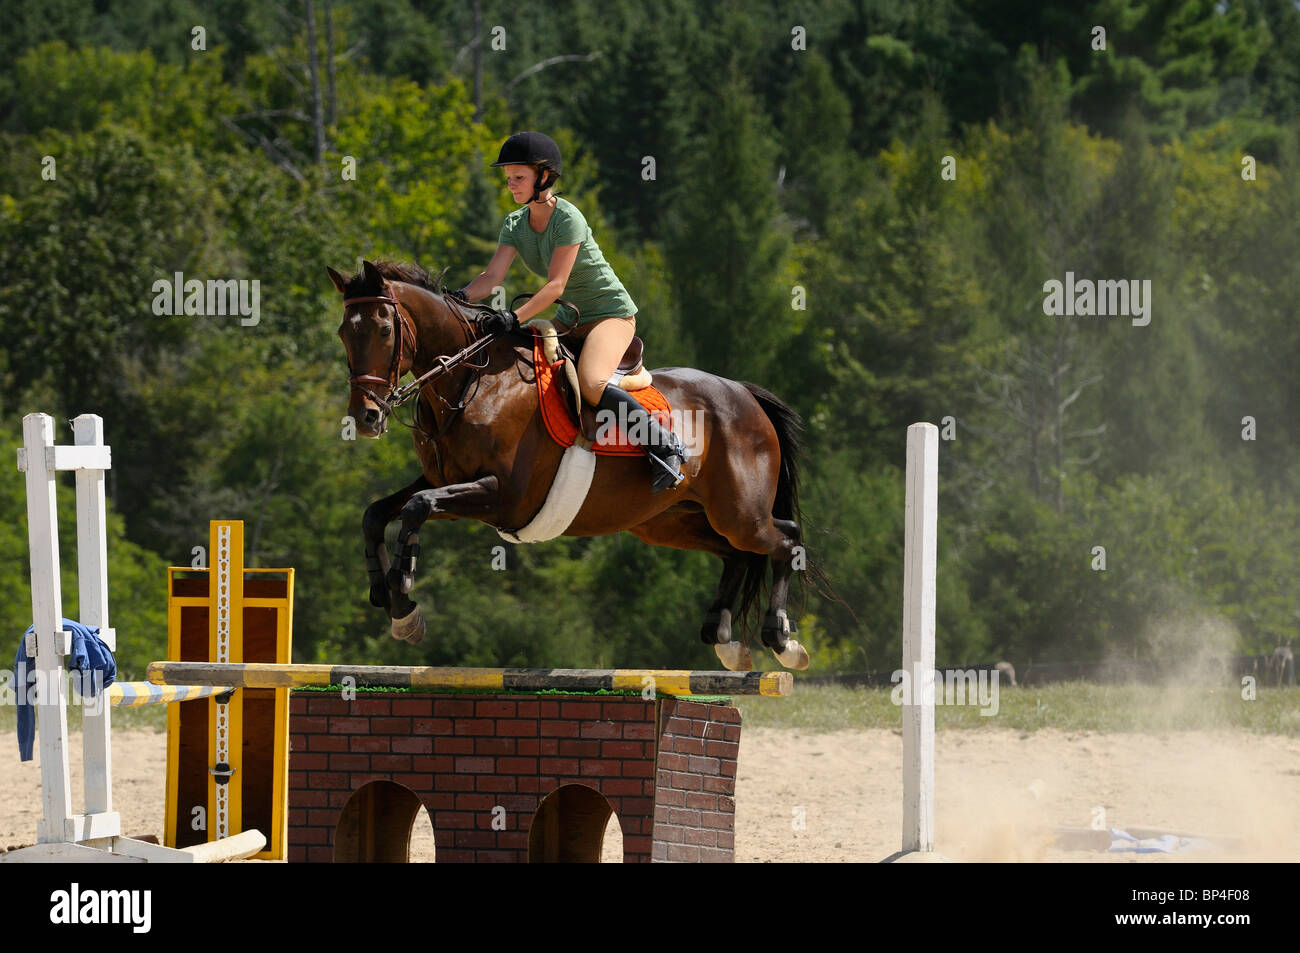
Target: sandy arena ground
(1000,793)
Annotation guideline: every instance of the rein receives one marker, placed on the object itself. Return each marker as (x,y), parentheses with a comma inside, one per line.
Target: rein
(444,363)
(398,394)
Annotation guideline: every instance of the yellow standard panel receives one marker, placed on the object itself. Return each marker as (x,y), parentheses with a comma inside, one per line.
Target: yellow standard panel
(226,605)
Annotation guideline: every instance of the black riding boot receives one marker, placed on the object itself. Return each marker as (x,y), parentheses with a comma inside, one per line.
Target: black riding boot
(665,449)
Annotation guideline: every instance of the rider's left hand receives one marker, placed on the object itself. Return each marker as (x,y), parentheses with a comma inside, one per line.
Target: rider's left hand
(500,322)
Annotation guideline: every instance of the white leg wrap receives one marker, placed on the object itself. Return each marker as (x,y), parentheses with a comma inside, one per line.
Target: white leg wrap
(724,627)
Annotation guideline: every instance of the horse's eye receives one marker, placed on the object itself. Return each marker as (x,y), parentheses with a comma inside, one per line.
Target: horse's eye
(386,331)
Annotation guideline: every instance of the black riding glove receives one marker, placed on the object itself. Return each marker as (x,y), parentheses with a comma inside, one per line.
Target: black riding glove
(500,322)
(459,295)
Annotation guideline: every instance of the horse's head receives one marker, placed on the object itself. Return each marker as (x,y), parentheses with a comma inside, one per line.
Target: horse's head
(380,343)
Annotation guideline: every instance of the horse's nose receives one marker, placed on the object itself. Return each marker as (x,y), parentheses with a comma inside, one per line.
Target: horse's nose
(371,418)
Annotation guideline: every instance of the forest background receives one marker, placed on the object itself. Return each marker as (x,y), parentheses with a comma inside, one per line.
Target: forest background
(854,203)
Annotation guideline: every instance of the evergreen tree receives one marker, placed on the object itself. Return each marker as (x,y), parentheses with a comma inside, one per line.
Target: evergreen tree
(727,248)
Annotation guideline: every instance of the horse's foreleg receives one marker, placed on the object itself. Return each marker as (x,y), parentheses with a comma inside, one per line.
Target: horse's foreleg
(476,499)
(377,517)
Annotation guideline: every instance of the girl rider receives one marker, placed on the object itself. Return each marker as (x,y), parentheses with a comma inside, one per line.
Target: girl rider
(554,241)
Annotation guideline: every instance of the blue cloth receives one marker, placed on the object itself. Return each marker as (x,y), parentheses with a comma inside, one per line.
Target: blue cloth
(1165,844)
(89,655)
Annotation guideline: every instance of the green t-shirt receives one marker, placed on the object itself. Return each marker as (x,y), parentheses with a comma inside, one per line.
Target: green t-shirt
(592,287)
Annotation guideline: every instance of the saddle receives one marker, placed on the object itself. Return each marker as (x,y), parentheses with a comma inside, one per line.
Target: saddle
(629,364)
(630,374)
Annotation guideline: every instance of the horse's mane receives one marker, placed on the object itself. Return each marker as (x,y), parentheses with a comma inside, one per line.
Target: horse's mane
(359,286)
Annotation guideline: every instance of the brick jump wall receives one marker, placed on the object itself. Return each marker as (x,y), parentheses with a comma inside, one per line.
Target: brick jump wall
(483,764)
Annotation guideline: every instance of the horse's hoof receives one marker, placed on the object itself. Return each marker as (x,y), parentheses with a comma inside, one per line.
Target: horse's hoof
(793,656)
(735,656)
(409,628)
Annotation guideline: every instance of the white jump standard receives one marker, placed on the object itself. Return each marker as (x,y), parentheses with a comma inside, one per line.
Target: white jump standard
(920,558)
(94,835)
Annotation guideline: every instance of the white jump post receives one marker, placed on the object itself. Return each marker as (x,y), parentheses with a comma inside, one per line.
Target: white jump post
(919,567)
(95,834)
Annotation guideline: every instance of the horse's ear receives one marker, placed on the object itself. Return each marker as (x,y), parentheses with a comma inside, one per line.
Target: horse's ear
(339,281)
(373,278)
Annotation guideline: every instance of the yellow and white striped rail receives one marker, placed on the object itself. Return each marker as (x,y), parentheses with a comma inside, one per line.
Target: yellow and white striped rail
(665,682)
(138,694)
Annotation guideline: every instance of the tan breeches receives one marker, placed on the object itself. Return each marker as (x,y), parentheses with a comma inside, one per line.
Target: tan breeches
(602,348)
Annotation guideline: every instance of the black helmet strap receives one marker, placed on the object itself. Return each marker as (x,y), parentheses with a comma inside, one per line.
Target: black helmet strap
(539,188)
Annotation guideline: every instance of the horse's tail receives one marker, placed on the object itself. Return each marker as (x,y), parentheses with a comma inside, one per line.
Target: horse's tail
(788,427)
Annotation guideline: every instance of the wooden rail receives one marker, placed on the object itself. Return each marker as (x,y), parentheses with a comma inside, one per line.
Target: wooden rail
(136,694)
(665,682)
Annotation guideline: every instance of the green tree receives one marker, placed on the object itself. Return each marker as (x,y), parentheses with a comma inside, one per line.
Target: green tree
(817,161)
(728,250)
(1182,62)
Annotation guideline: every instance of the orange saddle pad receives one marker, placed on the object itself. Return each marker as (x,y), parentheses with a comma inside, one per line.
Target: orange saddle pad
(556,409)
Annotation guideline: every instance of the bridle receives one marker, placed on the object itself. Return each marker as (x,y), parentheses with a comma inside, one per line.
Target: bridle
(360,381)
(397,395)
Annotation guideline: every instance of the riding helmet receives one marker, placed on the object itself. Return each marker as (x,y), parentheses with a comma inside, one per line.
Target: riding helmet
(532,148)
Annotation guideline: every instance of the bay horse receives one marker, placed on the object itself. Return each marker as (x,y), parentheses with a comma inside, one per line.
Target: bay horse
(485,454)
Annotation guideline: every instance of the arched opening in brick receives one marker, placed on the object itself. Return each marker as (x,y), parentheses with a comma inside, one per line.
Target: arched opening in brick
(575,824)
(422,849)
(378,826)
(611,850)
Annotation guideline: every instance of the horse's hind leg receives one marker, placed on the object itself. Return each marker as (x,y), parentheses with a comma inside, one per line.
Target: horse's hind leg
(776,622)
(717,621)
(691,529)
(756,531)
(716,630)
(777,627)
